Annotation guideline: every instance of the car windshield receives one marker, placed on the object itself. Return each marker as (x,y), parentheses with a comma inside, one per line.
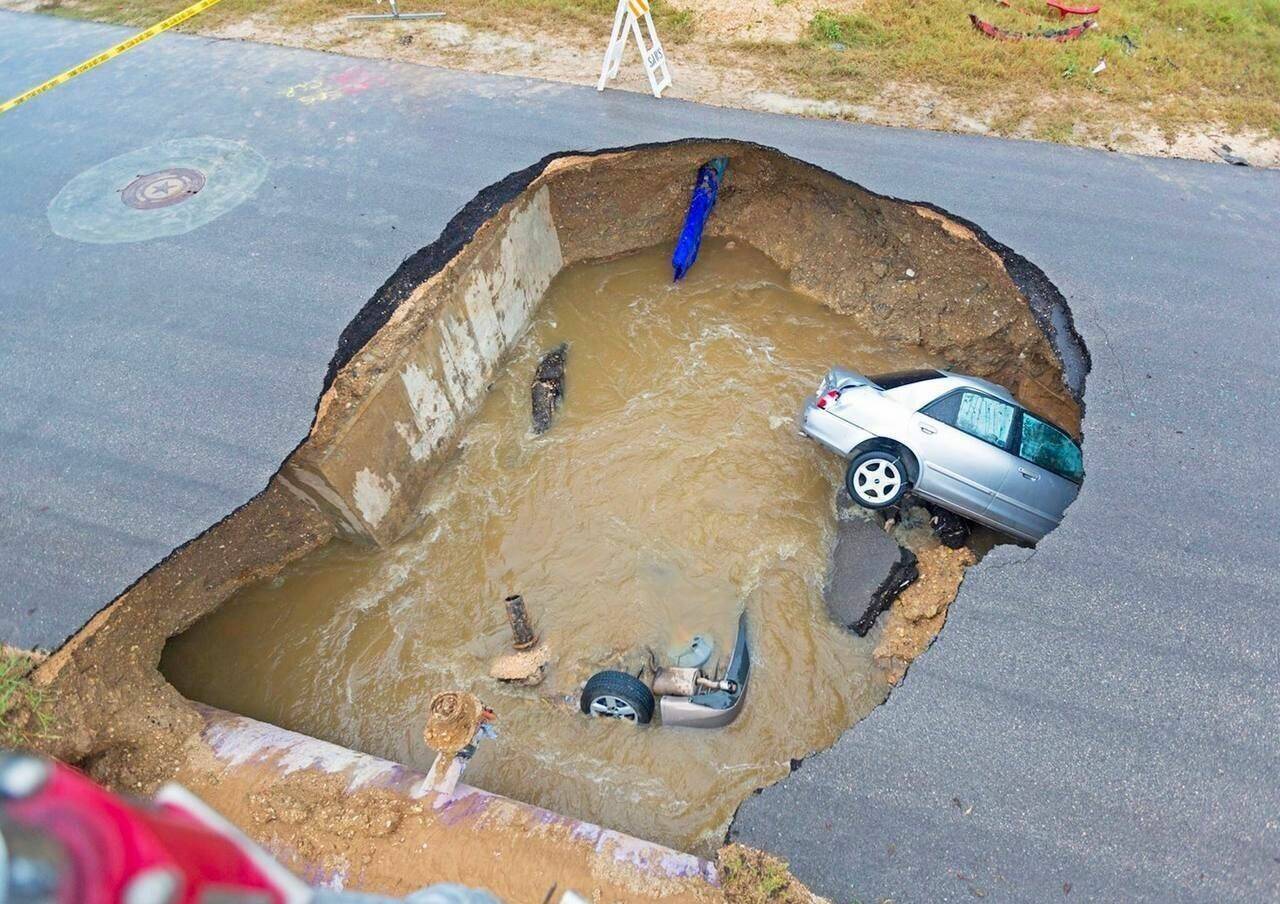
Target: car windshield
(1047,446)
(904,378)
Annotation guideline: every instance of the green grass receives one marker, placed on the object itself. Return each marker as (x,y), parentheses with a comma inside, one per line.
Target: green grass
(749,876)
(19,697)
(1179,63)
(849,29)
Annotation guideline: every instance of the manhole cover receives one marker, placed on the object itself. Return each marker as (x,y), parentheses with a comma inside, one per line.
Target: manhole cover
(163,188)
(184,184)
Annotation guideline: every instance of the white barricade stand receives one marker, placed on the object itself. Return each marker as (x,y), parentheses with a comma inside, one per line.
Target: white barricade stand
(626,21)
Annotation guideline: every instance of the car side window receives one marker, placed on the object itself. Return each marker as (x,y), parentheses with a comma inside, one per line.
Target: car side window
(1050,448)
(990,420)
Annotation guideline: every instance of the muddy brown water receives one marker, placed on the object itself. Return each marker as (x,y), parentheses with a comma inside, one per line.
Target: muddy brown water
(671,491)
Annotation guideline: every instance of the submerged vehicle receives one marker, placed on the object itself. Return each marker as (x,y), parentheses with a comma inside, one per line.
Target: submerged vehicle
(960,442)
(686,693)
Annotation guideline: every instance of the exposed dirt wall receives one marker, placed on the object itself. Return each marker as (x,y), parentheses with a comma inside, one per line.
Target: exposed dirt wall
(907,273)
(394,413)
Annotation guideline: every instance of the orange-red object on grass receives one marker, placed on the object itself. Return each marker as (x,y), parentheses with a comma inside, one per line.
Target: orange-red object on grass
(1064,10)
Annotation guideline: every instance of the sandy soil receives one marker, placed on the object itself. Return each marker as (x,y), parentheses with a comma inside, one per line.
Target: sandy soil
(919,613)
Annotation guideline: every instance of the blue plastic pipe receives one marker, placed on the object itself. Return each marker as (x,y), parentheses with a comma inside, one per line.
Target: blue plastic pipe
(710,174)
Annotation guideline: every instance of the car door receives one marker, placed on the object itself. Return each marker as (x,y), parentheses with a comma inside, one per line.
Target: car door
(1043,481)
(961,440)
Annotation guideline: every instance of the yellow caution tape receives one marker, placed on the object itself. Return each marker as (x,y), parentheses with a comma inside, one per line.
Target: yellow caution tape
(127,44)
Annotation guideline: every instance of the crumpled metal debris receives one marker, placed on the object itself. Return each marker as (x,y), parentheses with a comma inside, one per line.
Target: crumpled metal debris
(1059,35)
(1229,156)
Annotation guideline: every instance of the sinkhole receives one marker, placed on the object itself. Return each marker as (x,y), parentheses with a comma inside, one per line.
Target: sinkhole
(671,493)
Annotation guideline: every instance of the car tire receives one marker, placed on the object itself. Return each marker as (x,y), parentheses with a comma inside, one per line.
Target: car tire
(617,695)
(876,479)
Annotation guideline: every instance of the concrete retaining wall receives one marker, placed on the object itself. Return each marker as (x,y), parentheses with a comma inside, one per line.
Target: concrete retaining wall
(370,474)
(342,819)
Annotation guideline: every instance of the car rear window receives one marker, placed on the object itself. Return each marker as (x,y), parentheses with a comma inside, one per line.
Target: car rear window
(904,378)
(1045,445)
(977,414)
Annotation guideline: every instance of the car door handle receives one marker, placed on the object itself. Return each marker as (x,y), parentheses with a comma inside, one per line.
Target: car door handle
(1027,474)
(925,428)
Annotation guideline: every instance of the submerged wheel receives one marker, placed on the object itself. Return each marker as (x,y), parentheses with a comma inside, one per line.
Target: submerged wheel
(617,695)
(876,479)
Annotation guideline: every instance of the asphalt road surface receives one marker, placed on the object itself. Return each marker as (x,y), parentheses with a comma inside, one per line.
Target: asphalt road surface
(1098,720)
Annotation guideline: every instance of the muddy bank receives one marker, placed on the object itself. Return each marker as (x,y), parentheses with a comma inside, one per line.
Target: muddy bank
(918,614)
(113,714)
(412,369)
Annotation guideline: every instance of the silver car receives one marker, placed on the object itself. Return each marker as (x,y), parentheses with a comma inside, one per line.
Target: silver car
(961,442)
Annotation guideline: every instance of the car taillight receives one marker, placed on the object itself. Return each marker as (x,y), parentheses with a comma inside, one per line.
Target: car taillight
(828,398)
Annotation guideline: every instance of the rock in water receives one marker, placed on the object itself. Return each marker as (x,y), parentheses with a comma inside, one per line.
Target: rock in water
(548,387)
(526,667)
(453,718)
(868,571)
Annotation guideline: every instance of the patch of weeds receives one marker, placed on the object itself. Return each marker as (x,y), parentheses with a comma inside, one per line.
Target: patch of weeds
(850,29)
(1114,46)
(749,876)
(677,24)
(1009,121)
(24,711)
(1060,129)
(144,13)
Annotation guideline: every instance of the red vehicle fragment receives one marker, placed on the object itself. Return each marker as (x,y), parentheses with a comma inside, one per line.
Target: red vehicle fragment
(1059,35)
(1064,10)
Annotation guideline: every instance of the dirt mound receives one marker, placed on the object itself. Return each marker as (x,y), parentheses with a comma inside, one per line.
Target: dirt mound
(918,614)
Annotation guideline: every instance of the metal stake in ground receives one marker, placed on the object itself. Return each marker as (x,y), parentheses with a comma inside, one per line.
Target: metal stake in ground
(395,14)
(521,630)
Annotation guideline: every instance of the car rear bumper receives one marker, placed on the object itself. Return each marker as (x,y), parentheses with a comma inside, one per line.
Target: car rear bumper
(681,711)
(835,433)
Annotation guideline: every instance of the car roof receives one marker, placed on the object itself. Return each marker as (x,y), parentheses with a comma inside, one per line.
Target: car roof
(926,391)
(995,389)
(921,392)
